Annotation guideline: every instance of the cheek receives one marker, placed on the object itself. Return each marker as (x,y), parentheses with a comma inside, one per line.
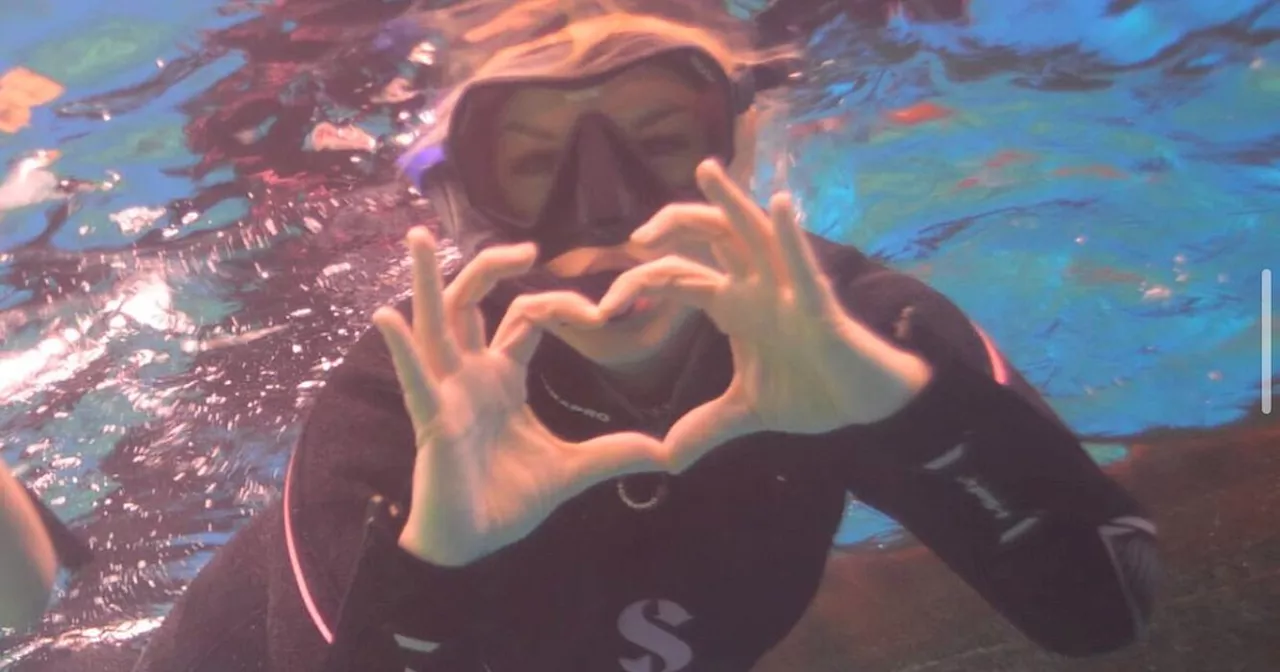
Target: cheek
(618,342)
(666,321)
(573,263)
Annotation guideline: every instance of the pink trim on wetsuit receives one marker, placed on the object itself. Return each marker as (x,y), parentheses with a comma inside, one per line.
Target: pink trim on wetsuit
(998,369)
(307,598)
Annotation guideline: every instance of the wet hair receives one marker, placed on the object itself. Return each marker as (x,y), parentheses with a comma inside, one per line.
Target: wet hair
(487,39)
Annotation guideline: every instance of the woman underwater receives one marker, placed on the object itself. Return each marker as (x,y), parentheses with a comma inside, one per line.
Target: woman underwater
(621,436)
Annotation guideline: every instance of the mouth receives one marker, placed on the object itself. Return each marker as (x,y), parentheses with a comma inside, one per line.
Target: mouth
(639,308)
(593,286)
(592,281)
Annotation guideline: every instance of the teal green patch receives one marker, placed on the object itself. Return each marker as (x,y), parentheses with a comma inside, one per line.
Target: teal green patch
(1107,453)
(862,523)
(203,302)
(166,142)
(1269,83)
(99,51)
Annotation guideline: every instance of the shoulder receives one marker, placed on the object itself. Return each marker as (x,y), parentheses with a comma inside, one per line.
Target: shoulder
(842,262)
(360,404)
(367,366)
(896,304)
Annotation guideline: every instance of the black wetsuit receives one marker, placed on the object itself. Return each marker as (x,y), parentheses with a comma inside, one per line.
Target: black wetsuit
(713,575)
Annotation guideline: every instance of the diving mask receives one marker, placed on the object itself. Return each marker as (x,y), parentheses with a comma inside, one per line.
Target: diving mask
(593,184)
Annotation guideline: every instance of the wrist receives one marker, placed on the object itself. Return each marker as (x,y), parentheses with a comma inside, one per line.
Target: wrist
(888,384)
(431,548)
(884,377)
(410,542)
(907,375)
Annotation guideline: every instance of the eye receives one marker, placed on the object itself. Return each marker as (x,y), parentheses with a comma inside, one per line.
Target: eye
(535,163)
(665,145)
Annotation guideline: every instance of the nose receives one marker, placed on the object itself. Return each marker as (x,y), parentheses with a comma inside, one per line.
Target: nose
(603,192)
(604,196)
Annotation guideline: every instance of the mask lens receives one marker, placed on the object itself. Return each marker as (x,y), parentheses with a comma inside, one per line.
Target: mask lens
(511,140)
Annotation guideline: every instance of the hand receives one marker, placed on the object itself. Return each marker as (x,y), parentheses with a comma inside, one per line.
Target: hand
(487,471)
(28,562)
(801,363)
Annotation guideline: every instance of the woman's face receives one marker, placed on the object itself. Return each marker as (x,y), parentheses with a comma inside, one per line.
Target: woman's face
(657,109)
(652,106)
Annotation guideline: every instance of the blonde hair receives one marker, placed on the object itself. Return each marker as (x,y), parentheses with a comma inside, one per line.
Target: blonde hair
(553,38)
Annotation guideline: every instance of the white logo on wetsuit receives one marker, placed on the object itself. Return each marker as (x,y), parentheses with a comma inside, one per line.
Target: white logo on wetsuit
(989,501)
(642,624)
(589,412)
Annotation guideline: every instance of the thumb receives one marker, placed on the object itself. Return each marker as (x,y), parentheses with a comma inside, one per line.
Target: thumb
(611,456)
(701,430)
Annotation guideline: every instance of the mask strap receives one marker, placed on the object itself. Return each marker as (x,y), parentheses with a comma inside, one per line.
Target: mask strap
(751,80)
(744,90)
(416,165)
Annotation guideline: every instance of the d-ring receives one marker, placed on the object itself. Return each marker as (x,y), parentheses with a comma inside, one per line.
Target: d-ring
(659,494)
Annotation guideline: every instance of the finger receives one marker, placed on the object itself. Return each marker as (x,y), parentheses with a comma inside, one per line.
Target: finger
(677,225)
(429,329)
(551,309)
(419,395)
(799,265)
(475,281)
(675,277)
(701,430)
(531,314)
(611,456)
(744,215)
(517,338)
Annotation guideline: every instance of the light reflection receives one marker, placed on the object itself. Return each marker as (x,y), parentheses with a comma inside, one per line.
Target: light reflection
(65,352)
(52,361)
(30,182)
(136,220)
(76,640)
(424,54)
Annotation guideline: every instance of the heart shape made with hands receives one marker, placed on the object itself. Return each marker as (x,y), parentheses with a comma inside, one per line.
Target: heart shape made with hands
(801,363)
(488,471)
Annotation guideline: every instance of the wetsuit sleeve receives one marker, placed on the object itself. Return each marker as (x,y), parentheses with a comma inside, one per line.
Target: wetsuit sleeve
(981,470)
(72,553)
(346,493)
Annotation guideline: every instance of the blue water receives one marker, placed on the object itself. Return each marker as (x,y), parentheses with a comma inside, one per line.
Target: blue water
(160,340)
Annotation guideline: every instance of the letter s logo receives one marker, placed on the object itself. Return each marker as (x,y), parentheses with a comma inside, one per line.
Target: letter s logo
(637,628)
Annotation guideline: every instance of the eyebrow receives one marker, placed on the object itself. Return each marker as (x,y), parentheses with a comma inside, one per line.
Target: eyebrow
(516,126)
(656,115)
(642,122)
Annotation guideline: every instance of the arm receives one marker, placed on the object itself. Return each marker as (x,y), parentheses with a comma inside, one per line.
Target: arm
(430,415)
(346,494)
(982,471)
(27,560)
